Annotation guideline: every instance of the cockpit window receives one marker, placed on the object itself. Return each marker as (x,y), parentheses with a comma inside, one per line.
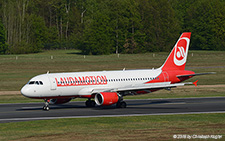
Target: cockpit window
(31,82)
(35,83)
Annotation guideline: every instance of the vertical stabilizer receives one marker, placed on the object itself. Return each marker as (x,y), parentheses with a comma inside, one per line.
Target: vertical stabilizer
(178,56)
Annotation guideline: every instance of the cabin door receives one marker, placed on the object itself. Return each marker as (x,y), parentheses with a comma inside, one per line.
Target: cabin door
(53,84)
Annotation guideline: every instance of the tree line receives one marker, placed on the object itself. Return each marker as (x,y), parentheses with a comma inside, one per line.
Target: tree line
(109,26)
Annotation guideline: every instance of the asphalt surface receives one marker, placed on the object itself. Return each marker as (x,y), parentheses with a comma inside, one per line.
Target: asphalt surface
(33,111)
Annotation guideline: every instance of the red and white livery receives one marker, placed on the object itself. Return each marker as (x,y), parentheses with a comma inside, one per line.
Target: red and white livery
(109,87)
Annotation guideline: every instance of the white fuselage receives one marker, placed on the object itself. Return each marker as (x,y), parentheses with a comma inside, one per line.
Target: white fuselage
(81,84)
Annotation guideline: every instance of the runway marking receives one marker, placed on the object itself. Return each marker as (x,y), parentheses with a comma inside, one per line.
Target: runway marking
(129,115)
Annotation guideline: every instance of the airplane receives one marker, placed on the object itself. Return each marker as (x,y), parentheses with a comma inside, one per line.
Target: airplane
(109,87)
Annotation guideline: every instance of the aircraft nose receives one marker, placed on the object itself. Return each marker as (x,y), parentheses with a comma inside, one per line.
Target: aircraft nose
(26,91)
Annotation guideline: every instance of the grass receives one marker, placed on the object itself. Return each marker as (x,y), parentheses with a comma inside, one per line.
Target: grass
(14,73)
(117,128)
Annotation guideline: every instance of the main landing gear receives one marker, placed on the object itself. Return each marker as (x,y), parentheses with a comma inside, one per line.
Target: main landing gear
(90,103)
(121,103)
(46,106)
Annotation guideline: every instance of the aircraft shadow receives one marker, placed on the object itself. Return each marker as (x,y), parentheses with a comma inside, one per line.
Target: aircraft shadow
(141,105)
(52,107)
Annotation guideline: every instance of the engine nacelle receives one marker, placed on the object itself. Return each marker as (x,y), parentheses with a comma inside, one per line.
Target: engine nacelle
(59,100)
(106,98)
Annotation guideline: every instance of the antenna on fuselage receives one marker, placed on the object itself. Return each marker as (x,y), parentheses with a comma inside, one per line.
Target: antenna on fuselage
(47,72)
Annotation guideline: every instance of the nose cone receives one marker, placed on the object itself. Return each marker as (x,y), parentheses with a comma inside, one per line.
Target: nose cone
(26,91)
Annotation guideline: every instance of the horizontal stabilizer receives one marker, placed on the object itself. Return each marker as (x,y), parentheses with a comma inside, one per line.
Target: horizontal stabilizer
(196,74)
(195,83)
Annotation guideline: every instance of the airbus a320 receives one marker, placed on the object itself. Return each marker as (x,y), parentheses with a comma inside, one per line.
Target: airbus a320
(109,87)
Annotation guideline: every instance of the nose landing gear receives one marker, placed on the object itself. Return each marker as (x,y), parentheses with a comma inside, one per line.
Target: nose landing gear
(46,106)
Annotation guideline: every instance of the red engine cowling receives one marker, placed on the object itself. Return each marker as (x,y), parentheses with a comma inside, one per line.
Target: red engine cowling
(106,98)
(59,101)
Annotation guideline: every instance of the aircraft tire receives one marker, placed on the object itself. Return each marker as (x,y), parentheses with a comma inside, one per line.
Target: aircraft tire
(90,103)
(45,108)
(121,104)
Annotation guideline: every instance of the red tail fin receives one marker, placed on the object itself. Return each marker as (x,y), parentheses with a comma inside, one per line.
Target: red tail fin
(178,56)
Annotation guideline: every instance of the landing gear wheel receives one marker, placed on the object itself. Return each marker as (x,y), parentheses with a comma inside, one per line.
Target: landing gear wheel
(121,104)
(46,107)
(93,103)
(90,103)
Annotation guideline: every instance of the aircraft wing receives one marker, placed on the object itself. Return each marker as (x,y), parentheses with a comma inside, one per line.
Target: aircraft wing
(164,85)
(142,87)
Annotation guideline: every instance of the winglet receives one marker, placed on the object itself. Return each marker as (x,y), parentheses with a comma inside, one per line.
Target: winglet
(195,83)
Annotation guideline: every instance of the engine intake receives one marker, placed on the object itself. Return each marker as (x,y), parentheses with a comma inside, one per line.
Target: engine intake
(106,98)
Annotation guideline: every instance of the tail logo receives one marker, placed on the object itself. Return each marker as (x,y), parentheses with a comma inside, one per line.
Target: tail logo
(180,53)
(181,48)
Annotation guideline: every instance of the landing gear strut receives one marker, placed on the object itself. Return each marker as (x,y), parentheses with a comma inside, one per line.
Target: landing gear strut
(90,103)
(46,106)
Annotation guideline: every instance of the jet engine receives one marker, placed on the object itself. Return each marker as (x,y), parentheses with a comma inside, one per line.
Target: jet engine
(59,100)
(106,98)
